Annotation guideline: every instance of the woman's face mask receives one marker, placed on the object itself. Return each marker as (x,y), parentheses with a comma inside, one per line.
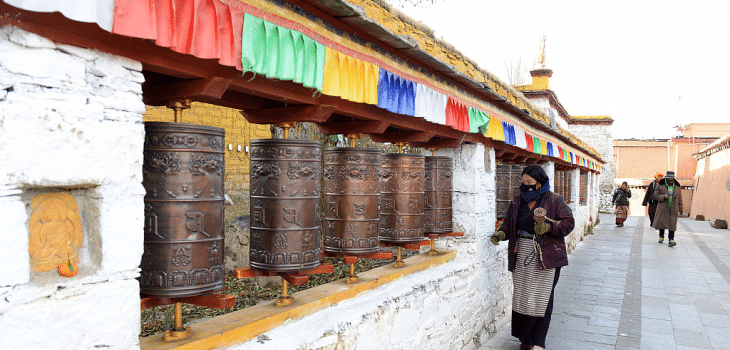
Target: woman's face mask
(528,188)
(528,184)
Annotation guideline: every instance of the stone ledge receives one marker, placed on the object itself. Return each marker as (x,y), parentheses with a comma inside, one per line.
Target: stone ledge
(244,325)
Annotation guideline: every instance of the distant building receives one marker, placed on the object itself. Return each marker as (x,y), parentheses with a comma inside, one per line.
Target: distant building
(636,161)
(712,181)
(597,131)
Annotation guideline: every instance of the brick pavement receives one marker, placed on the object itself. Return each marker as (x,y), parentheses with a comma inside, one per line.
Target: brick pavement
(623,290)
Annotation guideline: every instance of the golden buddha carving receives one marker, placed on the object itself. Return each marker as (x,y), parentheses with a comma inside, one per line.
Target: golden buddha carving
(55,231)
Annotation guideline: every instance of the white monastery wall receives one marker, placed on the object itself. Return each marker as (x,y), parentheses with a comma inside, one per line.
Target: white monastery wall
(600,137)
(70,120)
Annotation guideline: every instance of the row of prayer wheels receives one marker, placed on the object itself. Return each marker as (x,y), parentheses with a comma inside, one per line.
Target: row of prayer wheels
(368,197)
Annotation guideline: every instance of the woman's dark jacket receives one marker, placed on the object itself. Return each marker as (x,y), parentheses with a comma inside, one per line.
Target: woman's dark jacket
(621,197)
(649,196)
(552,244)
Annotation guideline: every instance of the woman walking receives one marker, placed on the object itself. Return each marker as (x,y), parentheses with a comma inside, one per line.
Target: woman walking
(649,198)
(668,195)
(621,200)
(535,226)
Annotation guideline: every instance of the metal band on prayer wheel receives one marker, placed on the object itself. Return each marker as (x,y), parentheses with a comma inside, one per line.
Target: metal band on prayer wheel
(285,190)
(401,198)
(183,174)
(437,195)
(351,200)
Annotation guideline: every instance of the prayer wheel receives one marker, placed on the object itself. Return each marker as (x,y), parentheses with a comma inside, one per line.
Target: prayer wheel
(183,174)
(438,190)
(558,182)
(516,180)
(351,200)
(401,198)
(503,189)
(285,193)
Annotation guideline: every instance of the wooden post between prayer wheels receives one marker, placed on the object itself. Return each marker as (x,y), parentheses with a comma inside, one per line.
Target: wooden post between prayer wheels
(286,126)
(178,105)
(353,138)
(433,236)
(352,259)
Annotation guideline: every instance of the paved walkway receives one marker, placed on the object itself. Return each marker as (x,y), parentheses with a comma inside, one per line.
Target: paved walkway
(623,290)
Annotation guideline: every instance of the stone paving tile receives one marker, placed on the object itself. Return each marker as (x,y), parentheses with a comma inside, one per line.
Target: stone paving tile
(680,299)
(659,313)
(656,326)
(716,320)
(690,323)
(719,337)
(694,338)
(657,341)
(655,302)
(679,310)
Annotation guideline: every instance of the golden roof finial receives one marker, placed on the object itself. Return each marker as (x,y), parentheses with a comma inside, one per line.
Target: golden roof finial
(541,58)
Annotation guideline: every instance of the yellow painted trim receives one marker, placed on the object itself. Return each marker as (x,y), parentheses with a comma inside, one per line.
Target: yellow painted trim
(244,325)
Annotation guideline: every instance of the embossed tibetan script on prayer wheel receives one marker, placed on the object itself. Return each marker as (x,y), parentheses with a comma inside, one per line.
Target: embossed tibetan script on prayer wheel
(351,199)
(183,174)
(285,190)
(438,192)
(401,198)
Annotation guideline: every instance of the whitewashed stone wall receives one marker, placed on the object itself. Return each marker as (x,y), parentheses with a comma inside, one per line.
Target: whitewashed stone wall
(600,137)
(70,119)
(452,306)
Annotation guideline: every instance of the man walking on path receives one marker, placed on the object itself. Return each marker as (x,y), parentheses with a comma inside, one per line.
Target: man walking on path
(621,200)
(668,195)
(649,197)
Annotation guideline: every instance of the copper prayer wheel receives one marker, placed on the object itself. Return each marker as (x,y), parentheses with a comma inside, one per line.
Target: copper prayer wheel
(351,200)
(285,194)
(401,197)
(558,182)
(438,188)
(503,188)
(183,174)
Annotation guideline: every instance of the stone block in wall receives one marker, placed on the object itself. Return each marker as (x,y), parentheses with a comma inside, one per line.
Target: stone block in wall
(34,63)
(718,223)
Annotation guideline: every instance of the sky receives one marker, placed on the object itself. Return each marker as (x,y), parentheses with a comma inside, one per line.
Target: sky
(650,65)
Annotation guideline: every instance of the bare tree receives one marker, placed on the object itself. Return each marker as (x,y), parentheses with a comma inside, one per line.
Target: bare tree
(516,73)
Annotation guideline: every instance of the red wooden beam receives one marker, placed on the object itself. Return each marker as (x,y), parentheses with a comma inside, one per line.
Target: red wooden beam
(355,127)
(403,136)
(197,89)
(314,114)
(214,301)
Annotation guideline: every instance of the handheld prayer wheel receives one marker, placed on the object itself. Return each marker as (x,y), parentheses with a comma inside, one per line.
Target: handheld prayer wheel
(401,197)
(183,174)
(351,200)
(438,190)
(285,194)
